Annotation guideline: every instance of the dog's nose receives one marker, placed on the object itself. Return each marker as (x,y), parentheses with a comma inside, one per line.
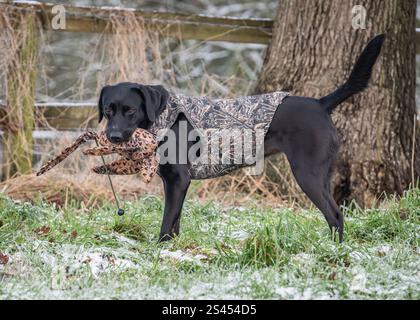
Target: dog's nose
(116,137)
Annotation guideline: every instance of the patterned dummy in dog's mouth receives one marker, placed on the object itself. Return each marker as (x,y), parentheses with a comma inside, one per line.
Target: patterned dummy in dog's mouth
(138,154)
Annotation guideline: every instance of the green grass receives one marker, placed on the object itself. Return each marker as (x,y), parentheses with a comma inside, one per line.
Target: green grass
(222,253)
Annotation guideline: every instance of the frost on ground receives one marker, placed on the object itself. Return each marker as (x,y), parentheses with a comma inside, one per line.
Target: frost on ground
(250,253)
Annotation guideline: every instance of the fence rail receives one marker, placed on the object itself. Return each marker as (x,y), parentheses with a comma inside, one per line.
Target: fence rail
(177,25)
(62,116)
(170,24)
(68,116)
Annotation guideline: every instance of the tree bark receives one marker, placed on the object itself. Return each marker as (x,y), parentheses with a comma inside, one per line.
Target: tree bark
(313,50)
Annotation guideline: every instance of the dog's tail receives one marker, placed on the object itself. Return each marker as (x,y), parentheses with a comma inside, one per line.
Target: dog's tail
(359,77)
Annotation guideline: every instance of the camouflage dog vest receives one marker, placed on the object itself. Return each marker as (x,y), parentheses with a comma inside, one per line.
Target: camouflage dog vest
(245,116)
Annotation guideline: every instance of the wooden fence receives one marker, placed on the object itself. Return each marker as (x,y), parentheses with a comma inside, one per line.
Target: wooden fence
(66,116)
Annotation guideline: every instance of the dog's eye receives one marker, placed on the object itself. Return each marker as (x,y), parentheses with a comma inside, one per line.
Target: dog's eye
(130,111)
(108,110)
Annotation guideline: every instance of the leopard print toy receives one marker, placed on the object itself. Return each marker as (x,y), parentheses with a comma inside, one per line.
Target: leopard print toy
(138,154)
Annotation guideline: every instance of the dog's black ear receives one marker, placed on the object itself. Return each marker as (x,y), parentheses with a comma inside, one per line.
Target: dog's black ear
(155,99)
(101,105)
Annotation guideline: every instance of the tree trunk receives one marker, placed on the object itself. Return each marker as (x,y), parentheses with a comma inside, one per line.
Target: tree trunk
(313,50)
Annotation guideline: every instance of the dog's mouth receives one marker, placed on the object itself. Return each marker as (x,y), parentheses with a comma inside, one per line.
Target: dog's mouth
(116,141)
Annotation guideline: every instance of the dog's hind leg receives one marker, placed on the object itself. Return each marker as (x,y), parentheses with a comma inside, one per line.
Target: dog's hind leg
(314,180)
(334,207)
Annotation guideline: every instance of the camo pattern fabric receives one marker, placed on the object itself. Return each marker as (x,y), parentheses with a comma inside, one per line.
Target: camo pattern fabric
(249,113)
(138,154)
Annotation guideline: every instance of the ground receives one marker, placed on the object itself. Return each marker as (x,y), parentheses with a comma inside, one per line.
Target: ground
(223,252)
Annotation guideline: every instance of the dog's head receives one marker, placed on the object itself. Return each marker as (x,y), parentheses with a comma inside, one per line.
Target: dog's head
(128,106)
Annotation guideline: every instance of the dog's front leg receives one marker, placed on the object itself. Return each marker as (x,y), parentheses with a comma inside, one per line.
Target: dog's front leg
(176,181)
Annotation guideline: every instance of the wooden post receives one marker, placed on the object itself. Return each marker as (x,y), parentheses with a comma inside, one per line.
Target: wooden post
(20,96)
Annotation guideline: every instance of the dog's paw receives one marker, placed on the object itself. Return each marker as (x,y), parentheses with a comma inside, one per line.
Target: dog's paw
(165,238)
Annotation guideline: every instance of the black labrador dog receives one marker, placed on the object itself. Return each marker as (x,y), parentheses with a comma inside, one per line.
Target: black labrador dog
(301,128)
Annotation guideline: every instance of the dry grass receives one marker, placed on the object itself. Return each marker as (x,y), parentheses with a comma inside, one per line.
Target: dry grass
(273,187)
(85,191)
(18,74)
(132,53)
